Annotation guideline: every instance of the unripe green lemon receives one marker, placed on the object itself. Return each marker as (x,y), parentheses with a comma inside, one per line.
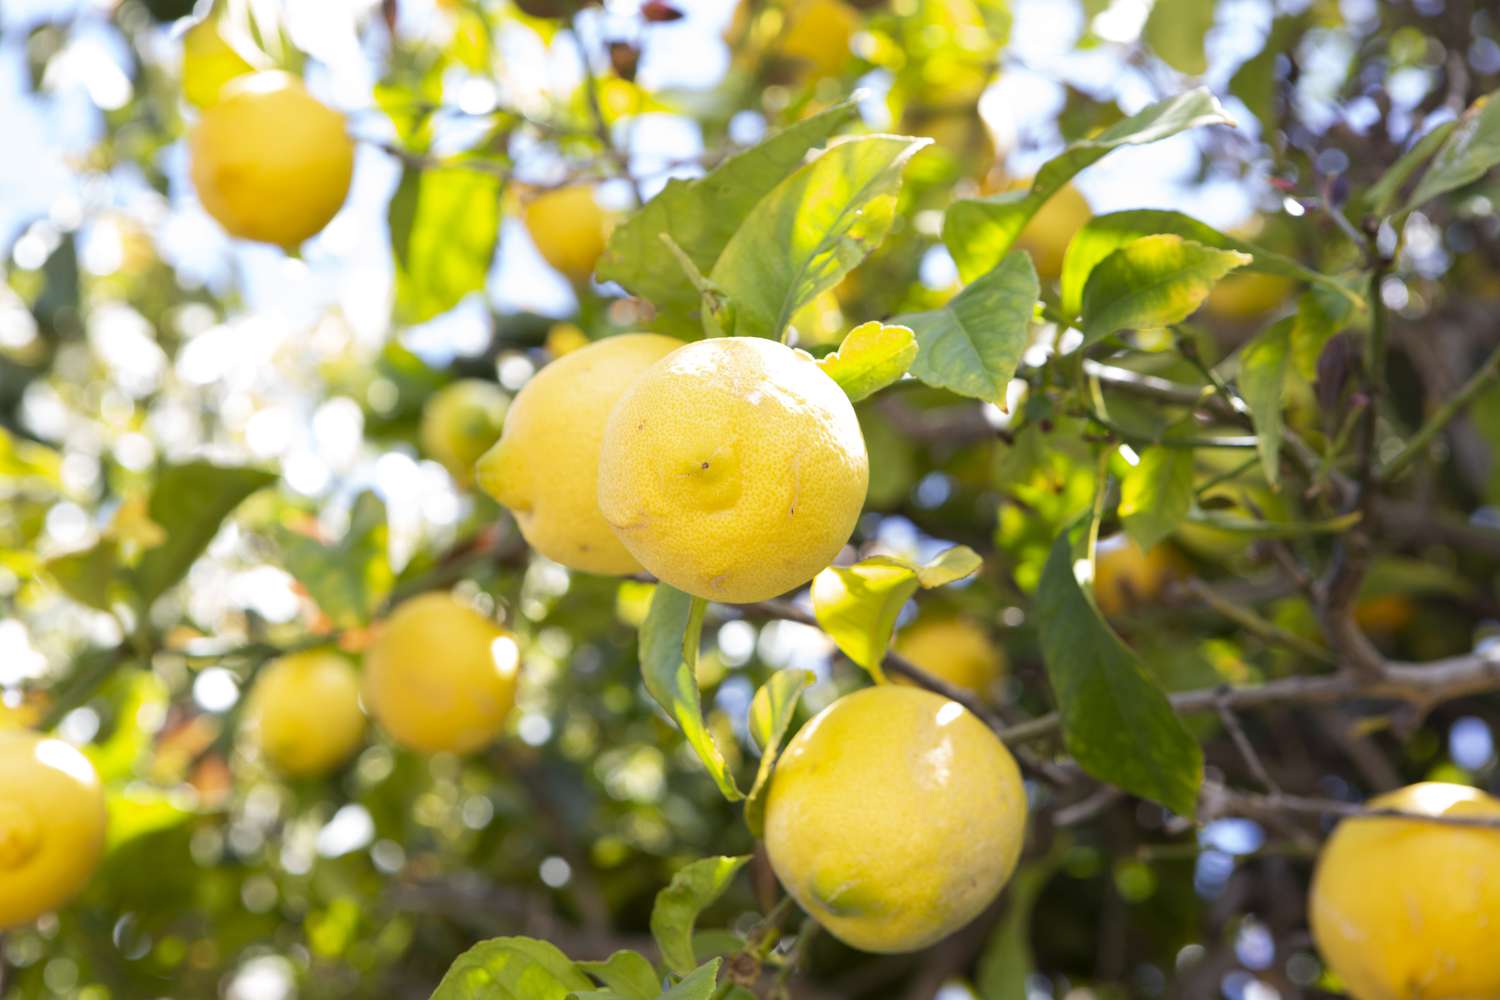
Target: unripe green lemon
(52,822)
(545,467)
(459,423)
(894,818)
(270,161)
(1407,910)
(570,229)
(733,469)
(956,650)
(439,676)
(304,712)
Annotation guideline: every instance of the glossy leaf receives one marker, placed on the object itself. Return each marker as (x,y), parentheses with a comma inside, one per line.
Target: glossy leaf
(771,714)
(669,656)
(871,357)
(445,223)
(811,230)
(628,974)
(949,566)
(692,890)
(1262,380)
(1156,493)
(1116,722)
(511,968)
(973,344)
(1151,283)
(979,232)
(1466,155)
(702,215)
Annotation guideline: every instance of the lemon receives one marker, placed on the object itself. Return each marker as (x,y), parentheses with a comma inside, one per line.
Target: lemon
(1248,295)
(545,465)
(459,423)
(818,33)
(304,712)
(1126,575)
(52,822)
(733,469)
(1406,910)
(441,676)
(569,228)
(271,162)
(1052,228)
(955,650)
(894,817)
(209,61)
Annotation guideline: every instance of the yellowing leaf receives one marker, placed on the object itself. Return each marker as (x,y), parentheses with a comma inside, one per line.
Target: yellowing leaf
(871,357)
(1152,282)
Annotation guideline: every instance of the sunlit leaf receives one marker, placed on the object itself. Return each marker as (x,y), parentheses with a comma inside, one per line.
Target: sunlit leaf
(1175,29)
(949,566)
(692,890)
(1156,493)
(871,357)
(349,579)
(511,968)
(1263,369)
(857,606)
(811,230)
(1152,282)
(699,984)
(1116,722)
(445,223)
(1466,155)
(771,714)
(628,974)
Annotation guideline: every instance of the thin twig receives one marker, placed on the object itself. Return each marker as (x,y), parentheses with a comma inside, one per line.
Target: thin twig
(1246,749)
(1442,416)
(1254,623)
(1218,801)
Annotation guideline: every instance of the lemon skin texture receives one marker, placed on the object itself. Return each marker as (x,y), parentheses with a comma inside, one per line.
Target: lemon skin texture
(459,423)
(1050,231)
(52,822)
(304,713)
(270,162)
(439,676)
(733,469)
(1406,910)
(545,467)
(894,817)
(1125,575)
(955,650)
(570,230)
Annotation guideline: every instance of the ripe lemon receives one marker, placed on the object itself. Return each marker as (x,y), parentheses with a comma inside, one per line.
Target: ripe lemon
(570,229)
(545,466)
(1406,910)
(52,823)
(270,161)
(894,817)
(209,61)
(956,650)
(818,33)
(304,712)
(1052,228)
(1126,575)
(733,469)
(441,676)
(1248,295)
(459,423)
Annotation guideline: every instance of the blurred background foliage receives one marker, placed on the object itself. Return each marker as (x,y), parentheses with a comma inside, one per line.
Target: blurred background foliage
(211,453)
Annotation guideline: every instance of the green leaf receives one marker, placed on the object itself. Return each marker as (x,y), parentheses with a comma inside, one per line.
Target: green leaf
(1116,723)
(1156,493)
(511,968)
(979,232)
(811,230)
(871,357)
(1174,31)
(973,344)
(1006,961)
(445,223)
(628,974)
(698,985)
(1263,368)
(1321,313)
(21,459)
(1466,155)
(858,605)
(1104,234)
(1382,194)
(692,890)
(669,657)
(1255,82)
(191,501)
(702,215)
(89,575)
(771,714)
(1152,282)
(1253,528)
(349,579)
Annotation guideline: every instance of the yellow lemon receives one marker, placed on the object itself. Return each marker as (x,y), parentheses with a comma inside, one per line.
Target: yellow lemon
(545,466)
(818,33)
(209,62)
(1126,575)
(304,712)
(733,469)
(52,823)
(894,817)
(1248,295)
(1052,228)
(1407,910)
(270,161)
(441,676)
(459,423)
(956,650)
(570,229)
